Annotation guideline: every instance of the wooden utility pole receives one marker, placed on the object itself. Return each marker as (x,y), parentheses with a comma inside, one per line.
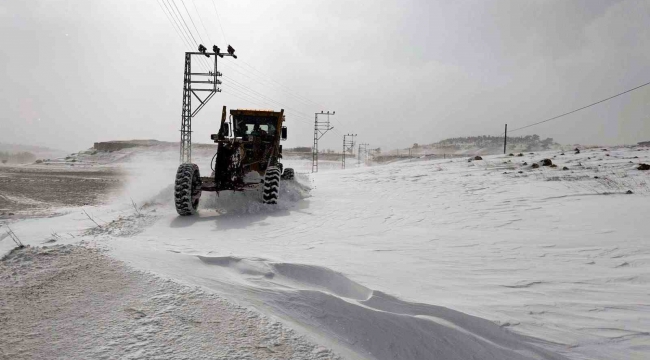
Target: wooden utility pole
(505,139)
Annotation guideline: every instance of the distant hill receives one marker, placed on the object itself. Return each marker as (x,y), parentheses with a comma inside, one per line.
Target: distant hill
(475,145)
(494,144)
(39,152)
(116,145)
(532,141)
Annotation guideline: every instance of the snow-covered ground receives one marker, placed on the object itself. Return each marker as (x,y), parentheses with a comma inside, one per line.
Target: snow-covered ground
(70,302)
(417,259)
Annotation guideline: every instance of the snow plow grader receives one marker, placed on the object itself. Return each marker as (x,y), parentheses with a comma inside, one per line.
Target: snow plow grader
(247,158)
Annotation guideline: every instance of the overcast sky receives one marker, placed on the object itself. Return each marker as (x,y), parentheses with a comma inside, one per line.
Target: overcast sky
(396,72)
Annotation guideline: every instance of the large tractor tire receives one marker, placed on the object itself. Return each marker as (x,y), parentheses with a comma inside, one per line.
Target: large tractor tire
(271,190)
(288,174)
(187,189)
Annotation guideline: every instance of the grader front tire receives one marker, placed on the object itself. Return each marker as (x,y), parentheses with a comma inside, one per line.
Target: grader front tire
(271,191)
(187,189)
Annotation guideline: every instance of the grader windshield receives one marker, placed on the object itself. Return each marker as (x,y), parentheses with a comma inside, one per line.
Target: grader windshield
(255,125)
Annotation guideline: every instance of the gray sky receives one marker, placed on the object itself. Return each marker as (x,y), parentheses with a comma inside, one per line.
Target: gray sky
(395,72)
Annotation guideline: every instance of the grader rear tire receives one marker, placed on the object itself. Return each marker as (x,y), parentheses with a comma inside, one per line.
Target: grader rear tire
(288,174)
(187,189)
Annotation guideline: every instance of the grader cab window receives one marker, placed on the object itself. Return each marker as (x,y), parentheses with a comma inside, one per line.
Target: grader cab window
(255,126)
(256,129)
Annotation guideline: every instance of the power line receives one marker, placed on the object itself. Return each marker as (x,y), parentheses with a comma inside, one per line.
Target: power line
(582,108)
(173,22)
(266,82)
(242,90)
(253,98)
(178,13)
(265,97)
(201,20)
(262,81)
(267,100)
(257,101)
(170,20)
(219,20)
(186,30)
(243,96)
(185,23)
(235,83)
(305,101)
(283,87)
(198,33)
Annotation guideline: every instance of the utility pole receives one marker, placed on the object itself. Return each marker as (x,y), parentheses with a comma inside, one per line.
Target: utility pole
(359,155)
(320,128)
(348,145)
(365,151)
(208,85)
(505,139)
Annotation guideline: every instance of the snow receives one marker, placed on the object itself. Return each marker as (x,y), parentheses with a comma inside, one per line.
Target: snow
(414,259)
(75,303)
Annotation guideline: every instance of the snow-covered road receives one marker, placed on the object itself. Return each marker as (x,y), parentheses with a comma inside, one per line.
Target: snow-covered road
(387,261)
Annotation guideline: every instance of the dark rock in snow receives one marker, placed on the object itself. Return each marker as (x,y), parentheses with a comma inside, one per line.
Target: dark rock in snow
(547,162)
(629,192)
(577,151)
(525,163)
(565,168)
(478,157)
(511,154)
(535,166)
(643,167)
(520,154)
(553,166)
(595,177)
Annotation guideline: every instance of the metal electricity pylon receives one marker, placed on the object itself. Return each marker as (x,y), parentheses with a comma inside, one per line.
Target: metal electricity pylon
(348,145)
(209,78)
(363,149)
(320,128)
